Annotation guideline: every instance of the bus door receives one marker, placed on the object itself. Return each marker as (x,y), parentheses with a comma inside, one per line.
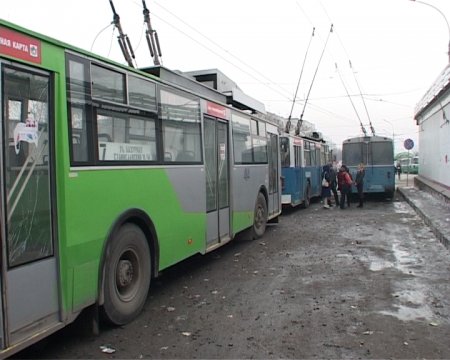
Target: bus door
(217,166)
(30,302)
(274,176)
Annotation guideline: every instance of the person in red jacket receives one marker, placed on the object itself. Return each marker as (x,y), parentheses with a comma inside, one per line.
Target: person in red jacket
(344,185)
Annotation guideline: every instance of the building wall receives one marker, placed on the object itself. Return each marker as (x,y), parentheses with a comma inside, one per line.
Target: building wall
(434,140)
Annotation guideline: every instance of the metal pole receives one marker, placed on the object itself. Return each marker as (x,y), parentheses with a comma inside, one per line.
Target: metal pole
(407,171)
(446,21)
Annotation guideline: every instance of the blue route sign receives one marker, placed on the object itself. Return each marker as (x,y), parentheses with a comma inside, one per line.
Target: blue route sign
(408,144)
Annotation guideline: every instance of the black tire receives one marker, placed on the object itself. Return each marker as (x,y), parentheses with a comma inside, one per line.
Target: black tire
(259,217)
(127,275)
(307,200)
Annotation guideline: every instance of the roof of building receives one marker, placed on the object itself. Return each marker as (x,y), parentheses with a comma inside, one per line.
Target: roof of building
(441,84)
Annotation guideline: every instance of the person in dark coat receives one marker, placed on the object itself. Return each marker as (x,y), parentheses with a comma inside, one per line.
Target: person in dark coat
(333,183)
(359,182)
(398,169)
(326,191)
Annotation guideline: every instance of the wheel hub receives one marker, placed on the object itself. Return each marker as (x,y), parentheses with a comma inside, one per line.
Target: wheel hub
(124,273)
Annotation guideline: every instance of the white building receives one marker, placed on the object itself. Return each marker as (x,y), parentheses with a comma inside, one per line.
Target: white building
(433,117)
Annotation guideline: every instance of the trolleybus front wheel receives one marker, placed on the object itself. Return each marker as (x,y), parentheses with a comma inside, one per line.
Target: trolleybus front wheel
(127,275)
(260,217)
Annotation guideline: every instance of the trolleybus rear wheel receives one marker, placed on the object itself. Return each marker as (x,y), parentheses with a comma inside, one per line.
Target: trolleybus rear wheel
(260,217)
(127,275)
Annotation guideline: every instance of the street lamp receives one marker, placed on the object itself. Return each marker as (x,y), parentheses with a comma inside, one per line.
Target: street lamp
(443,15)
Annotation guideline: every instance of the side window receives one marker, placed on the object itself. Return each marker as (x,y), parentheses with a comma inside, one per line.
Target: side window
(312,153)
(78,89)
(254,127)
(181,127)
(260,150)
(107,84)
(307,153)
(142,93)
(108,118)
(262,129)
(250,146)
(242,142)
(125,138)
(318,155)
(285,152)
(298,155)
(259,142)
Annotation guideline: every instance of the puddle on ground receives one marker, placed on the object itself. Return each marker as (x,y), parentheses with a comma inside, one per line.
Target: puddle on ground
(411,306)
(406,313)
(378,264)
(344,255)
(402,208)
(404,259)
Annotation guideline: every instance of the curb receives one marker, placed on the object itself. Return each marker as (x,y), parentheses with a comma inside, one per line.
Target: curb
(428,221)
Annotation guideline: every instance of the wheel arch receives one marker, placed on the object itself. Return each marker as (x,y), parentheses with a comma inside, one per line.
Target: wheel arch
(263,190)
(143,221)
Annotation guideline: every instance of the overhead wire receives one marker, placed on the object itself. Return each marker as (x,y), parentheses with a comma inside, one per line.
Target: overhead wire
(354,76)
(281,91)
(351,101)
(299,123)
(362,97)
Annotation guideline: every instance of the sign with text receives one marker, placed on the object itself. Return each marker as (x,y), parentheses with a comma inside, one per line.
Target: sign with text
(124,152)
(216,110)
(19,46)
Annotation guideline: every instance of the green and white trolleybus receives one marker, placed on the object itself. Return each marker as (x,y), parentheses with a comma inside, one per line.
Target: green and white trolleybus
(110,174)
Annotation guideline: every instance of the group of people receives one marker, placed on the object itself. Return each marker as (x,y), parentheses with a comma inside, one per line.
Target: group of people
(342,181)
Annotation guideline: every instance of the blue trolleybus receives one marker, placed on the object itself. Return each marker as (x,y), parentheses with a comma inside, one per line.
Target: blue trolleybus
(302,159)
(377,154)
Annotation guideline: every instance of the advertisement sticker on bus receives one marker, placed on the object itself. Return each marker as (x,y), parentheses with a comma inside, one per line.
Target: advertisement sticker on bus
(223,150)
(298,142)
(216,110)
(19,46)
(27,132)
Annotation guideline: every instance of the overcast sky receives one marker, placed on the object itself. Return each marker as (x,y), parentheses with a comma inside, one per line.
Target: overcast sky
(397,48)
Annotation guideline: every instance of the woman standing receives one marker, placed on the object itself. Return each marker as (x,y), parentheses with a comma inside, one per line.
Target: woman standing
(344,185)
(359,182)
